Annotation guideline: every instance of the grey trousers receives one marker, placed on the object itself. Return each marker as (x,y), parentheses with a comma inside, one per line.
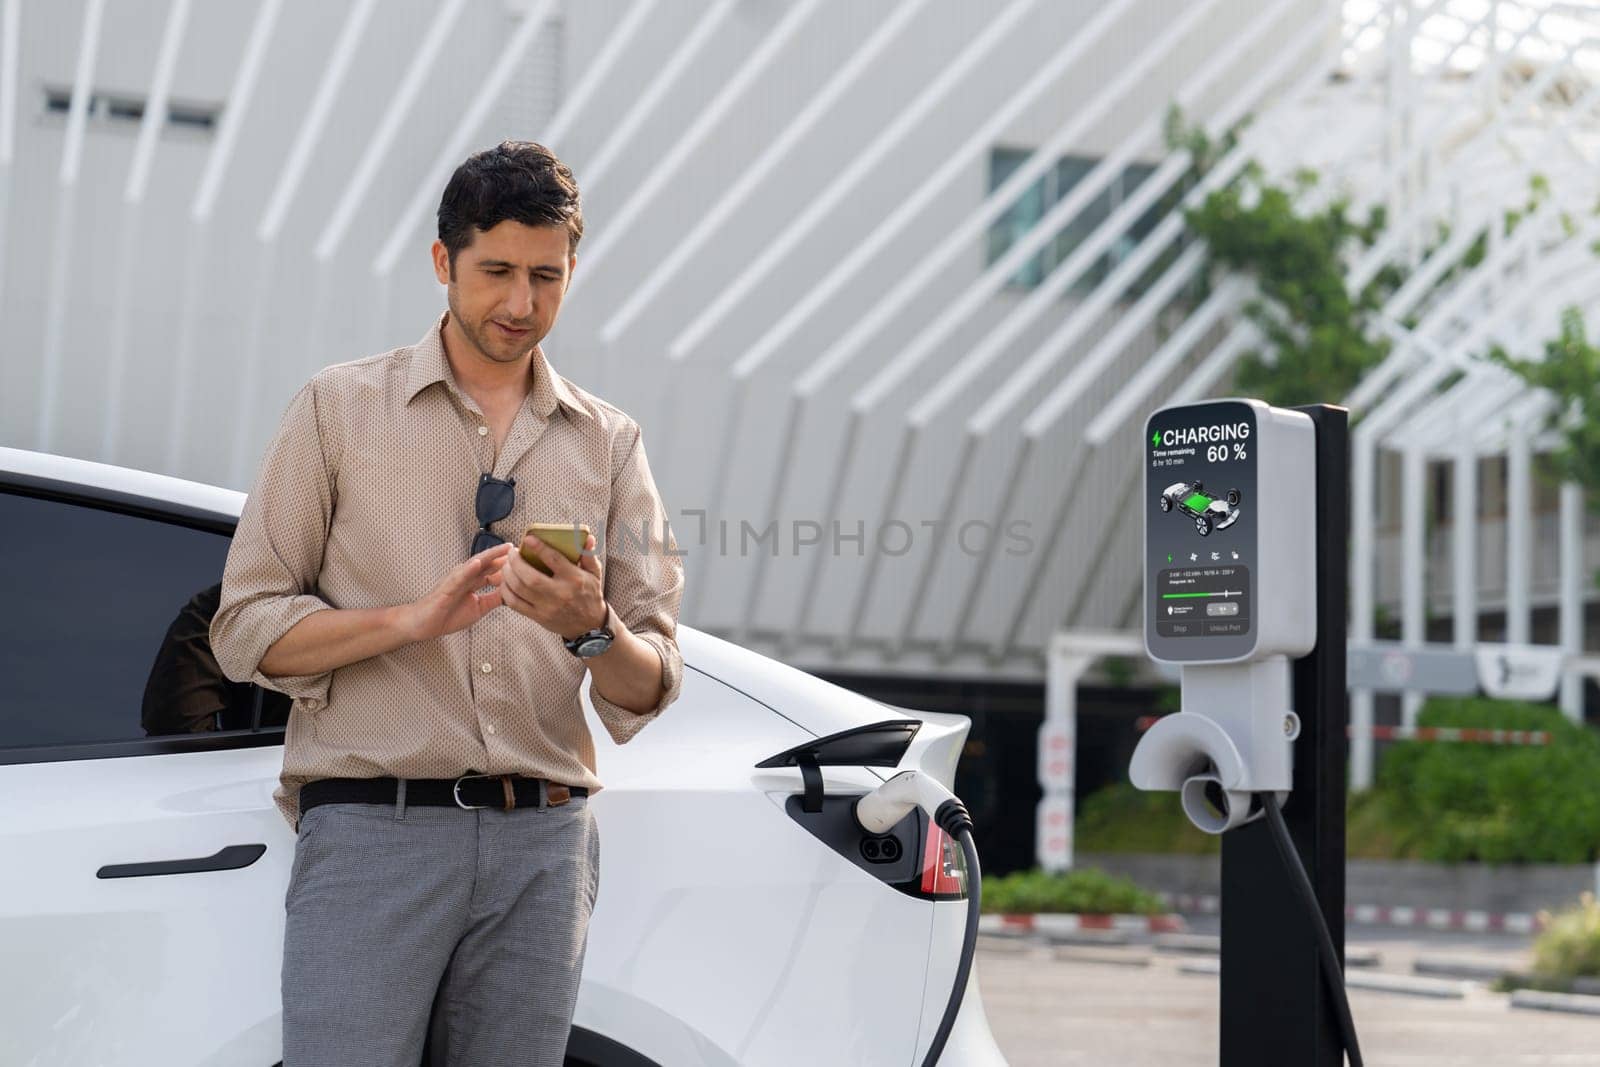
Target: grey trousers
(477,918)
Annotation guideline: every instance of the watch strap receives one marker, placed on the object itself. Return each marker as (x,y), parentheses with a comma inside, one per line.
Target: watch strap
(603,630)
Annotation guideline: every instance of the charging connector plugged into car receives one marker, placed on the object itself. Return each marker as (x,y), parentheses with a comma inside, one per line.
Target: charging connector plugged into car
(893,812)
(887,805)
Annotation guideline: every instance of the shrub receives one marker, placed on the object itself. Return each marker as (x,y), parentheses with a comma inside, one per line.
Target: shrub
(1570,944)
(1120,818)
(1375,828)
(1440,801)
(1496,803)
(1084,891)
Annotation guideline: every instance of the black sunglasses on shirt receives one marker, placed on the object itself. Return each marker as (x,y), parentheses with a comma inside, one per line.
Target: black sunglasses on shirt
(496,497)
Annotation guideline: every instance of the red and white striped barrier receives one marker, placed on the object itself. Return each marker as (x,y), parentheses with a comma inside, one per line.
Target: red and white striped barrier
(1359,915)
(1049,923)
(1377,915)
(1444,919)
(1192,905)
(1456,734)
(1462,734)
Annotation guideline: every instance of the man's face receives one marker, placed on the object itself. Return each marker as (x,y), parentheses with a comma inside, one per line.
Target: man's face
(507,286)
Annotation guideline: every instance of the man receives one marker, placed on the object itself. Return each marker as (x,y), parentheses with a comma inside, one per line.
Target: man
(437,763)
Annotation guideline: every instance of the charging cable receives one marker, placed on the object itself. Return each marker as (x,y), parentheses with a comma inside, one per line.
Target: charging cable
(1308,897)
(876,812)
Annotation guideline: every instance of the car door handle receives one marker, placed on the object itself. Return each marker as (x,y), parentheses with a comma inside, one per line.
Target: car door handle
(231,858)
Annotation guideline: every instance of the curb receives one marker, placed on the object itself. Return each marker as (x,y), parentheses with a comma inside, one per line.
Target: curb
(1211,945)
(1535,983)
(1372,982)
(1189,944)
(1373,915)
(1574,1003)
(1088,954)
(1052,923)
(1437,988)
(1453,967)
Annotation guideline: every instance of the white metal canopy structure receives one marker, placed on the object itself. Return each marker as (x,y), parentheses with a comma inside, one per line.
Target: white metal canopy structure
(888,286)
(1521,104)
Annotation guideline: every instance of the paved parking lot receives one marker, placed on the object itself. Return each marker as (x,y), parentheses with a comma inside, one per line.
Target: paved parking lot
(1131,1007)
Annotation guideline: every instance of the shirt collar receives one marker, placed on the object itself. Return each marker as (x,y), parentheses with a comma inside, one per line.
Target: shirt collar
(429,365)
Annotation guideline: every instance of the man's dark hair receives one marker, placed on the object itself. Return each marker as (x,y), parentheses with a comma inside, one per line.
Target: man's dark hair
(517,180)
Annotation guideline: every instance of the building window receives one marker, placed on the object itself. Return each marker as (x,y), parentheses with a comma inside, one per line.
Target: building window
(1492,477)
(127,110)
(1049,190)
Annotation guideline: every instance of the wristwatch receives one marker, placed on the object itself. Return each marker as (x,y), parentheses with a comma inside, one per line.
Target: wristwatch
(591,642)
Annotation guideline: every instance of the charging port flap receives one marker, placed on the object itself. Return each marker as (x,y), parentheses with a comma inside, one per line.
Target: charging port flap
(879,744)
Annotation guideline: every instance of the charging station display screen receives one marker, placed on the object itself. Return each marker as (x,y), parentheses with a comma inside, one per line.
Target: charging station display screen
(1200,532)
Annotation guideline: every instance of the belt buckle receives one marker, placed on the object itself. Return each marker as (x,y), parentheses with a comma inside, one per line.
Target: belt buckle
(455,792)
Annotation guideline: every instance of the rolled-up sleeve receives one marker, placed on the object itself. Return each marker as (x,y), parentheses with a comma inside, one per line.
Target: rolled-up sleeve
(270,580)
(643,582)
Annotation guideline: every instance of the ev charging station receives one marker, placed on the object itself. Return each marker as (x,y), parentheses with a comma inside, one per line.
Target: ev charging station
(1246,515)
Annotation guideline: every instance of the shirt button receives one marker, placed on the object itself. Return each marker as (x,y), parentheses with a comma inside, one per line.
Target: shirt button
(312,703)
(490,728)
(483,431)
(487,667)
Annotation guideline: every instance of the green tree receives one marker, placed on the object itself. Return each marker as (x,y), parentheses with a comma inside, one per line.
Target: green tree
(1320,338)
(1570,372)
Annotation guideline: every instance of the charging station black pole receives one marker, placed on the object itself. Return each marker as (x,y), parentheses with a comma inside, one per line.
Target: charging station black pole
(1276,1007)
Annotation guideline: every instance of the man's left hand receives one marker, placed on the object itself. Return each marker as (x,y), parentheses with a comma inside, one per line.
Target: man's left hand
(569,601)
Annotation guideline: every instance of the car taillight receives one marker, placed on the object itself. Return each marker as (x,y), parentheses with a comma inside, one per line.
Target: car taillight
(944,869)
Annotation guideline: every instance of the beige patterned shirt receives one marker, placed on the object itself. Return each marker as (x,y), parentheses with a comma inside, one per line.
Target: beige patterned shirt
(365,499)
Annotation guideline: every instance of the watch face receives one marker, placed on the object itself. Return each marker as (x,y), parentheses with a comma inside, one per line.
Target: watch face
(593,646)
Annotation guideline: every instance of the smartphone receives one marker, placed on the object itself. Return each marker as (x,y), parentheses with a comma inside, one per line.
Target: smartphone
(566,538)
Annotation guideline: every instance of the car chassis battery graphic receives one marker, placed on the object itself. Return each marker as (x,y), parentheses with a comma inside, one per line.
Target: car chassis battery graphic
(1209,512)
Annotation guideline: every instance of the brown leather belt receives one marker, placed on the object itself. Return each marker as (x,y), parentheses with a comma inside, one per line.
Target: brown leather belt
(470,791)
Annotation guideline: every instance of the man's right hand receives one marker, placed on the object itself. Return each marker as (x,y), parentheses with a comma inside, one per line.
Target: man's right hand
(455,603)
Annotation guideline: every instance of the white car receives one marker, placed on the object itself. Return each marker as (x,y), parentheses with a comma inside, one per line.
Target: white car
(144,864)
